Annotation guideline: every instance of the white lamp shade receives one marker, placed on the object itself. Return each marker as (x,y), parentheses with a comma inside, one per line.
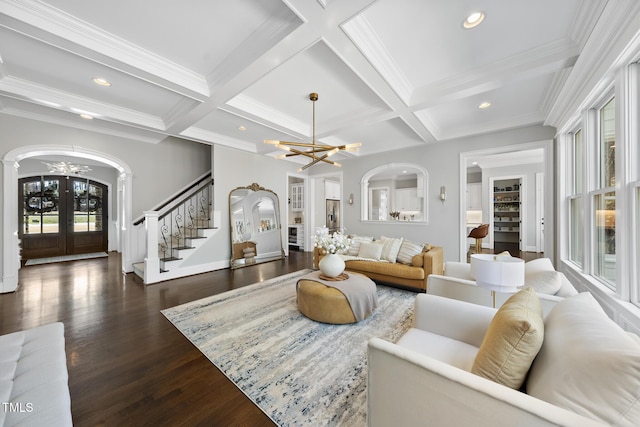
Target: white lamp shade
(497,273)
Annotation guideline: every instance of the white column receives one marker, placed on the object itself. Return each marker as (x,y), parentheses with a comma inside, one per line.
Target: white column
(10,243)
(151,261)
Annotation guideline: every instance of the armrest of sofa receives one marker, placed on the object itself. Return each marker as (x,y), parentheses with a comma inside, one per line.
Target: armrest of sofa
(432,261)
(405,388)
(452,318)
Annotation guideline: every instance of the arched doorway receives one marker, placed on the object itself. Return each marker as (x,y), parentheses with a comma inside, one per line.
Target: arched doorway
(10,240)
(62,215)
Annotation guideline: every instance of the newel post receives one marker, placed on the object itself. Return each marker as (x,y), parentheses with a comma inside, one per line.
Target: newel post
(151,261)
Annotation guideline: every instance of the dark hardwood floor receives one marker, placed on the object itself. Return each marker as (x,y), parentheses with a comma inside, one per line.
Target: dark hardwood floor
(128,365)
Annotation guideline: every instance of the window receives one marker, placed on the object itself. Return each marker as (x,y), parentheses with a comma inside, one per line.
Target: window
(605,237)
(576,214)
(608,145)
(604,199)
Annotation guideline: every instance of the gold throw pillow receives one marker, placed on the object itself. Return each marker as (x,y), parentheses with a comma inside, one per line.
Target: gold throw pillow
(512,341)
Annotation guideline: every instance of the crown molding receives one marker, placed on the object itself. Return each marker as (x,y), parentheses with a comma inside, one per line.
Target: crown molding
(364,37)
(56,22)
(251,106)
(609,46)
(544,59)
(31,92)
(213,138)
(142,135)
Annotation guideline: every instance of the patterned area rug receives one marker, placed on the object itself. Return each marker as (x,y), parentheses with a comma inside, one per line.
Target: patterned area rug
(65,258)
(298,371)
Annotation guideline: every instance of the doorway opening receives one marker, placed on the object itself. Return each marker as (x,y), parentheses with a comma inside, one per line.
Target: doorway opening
(62,215)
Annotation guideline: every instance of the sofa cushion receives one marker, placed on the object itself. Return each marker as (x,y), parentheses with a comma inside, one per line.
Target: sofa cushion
(356,241)
(390,248)
(396,269)
(512,341)
(408,250)
(588,364)
(370,250)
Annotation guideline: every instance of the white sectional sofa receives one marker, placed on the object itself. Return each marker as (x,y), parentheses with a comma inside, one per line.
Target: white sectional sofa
(586,373)
(34,387)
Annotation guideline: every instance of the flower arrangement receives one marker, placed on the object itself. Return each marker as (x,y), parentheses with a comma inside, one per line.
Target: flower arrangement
(394,214)
(331,243)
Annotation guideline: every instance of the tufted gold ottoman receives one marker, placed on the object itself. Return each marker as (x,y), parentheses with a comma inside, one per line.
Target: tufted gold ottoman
(325,304)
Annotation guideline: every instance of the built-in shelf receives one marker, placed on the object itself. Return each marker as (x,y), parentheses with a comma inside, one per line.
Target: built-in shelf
(506,214)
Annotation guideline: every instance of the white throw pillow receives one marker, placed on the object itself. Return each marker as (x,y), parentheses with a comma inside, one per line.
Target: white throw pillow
(390,248)
(408,250)
(544,282)
(588,364)
(355,244)
(370,250)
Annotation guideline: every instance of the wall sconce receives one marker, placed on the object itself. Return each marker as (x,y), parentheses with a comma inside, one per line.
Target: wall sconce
(351,198)
(443,194)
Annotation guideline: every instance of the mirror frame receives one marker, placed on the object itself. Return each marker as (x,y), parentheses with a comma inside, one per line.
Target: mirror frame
(423,181)
(238,262)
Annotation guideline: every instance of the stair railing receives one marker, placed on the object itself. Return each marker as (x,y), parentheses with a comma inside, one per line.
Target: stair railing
(171,229)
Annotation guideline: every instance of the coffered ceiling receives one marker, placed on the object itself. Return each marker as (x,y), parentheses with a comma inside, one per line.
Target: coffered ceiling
(389,73)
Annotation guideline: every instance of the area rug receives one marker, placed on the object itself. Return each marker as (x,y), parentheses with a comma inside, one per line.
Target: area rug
(298,371)
(65,258)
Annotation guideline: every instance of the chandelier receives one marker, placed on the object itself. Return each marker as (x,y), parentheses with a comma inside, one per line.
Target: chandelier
(317,153)
(66,168)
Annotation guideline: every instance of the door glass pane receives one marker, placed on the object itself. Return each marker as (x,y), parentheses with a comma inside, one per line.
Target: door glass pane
(605,237)
(577,223)
(50,207)
(40,210)
(95,208)
(608,145)
(32,223)
(81,206)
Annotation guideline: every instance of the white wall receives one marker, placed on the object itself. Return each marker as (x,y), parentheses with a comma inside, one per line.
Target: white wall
(442,162)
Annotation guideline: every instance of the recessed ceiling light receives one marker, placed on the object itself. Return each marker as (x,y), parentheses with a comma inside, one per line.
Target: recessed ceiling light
(86,116)
(474,163)
(102,82)
(473,20)
(484,105)
(242,128)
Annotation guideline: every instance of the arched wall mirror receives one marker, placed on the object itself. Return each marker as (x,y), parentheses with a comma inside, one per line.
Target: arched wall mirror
(395,192)
(256,233)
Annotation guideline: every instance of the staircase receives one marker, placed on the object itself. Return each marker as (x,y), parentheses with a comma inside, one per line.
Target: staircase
(175,232)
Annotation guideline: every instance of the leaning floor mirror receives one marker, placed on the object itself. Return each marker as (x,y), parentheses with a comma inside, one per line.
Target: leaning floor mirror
(256,234)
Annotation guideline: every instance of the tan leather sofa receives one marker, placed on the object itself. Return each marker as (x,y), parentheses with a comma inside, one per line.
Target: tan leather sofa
(412,276)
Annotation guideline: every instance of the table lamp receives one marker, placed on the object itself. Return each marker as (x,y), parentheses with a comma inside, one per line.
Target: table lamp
(497,273)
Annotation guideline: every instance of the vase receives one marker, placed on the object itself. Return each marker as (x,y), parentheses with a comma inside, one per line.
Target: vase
(331,265)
